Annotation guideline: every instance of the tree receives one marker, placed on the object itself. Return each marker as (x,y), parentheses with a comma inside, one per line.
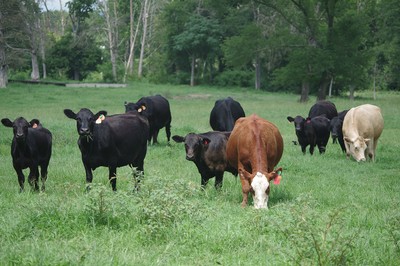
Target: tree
(74,57)
(199,39)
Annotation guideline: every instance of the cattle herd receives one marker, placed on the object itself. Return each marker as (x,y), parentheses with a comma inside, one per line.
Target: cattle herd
(249,146)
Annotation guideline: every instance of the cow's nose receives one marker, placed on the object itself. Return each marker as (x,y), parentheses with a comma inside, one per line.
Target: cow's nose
(361,160)
(19,135)
(189,157)
(84,131)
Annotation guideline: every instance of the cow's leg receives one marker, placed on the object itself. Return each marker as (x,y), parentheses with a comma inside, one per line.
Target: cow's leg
(303,149)
(138,174)
(155,135)
(168,131)
(218,180)
(89,176)
(43,175)
(33,177)
(204,180)
(21,178)
(112,176)
(312,149)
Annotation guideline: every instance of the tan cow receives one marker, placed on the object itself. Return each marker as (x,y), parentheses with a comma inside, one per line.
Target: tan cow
(362,126)
(254,148)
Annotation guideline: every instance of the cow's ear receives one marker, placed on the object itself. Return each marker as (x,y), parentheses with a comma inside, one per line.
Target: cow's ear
(70,114)
(276,175)
(178,139)
(244,174)
(290,119)
(205,141)
(125,103)
(7,122)
(99,113)
(34,123)
(347,140)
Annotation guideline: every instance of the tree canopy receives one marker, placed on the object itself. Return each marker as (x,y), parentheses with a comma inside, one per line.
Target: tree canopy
(299,46)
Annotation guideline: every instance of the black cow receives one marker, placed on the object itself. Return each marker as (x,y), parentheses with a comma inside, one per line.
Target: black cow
(156,109)
(311,131)
(336,129)
(208,152)
(225,113)
(326,108)
(30,148)
(111,141)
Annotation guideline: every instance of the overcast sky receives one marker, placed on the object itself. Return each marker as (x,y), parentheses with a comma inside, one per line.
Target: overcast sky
(55,4)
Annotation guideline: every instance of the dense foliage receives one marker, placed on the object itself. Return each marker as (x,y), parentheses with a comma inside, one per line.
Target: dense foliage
(300,46)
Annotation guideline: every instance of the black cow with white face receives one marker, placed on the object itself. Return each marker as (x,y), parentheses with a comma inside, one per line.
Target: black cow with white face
(208,152)
(30,148)
(225,113)
(157,110)
(336,126)
(311,131)
(110,141)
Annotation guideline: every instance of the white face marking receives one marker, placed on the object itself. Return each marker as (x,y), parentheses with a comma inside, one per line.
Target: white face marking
(357,149)
(260,185)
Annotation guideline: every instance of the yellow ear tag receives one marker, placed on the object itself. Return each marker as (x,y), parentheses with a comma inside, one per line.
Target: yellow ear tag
(34,125)
(100,119)
(143,107)
(140,110)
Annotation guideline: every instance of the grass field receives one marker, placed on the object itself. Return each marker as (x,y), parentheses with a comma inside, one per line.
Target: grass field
(327,210)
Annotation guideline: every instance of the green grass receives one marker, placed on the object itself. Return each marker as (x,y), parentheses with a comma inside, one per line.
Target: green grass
(327,209)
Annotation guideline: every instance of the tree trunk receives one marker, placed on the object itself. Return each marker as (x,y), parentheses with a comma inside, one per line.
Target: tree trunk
(305,89)
(3,63)
(130,61)
(35,66)
(111,35)
(76,74)
(144,34)
(132,37)
(351,96)
(192,71)
(3,76)
(323,86)
(258,73)
(62,19)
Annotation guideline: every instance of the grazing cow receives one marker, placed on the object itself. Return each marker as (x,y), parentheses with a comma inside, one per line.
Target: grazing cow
(362,127)
(225,113)
(30,148)
(336,129)
(254,149)
(111,141)
(311,131)
(156,109)
(326,108)
(208,152)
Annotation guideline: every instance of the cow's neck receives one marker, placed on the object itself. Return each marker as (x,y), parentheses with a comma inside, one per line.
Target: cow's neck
(22,149)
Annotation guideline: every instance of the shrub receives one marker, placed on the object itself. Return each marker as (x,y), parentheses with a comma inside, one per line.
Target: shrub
(239,78)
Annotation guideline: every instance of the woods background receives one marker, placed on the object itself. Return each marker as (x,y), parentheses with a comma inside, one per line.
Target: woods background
(303,46)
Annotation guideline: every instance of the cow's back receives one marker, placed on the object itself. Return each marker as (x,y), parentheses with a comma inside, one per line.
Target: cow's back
(254,133)
(224,114)
(326,108)
(120,139)
(364,120)
(39,141)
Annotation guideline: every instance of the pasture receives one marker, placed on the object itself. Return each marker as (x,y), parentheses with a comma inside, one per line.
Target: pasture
(327,209)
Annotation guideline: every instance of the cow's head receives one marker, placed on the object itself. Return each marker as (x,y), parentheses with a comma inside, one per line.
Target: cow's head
(260,185)
(20,127)
(356,147)
(194,144)
(140,107)
(298,121)
(85,120)
(335,128)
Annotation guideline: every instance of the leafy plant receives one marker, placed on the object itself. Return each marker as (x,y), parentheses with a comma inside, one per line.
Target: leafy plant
(314,239)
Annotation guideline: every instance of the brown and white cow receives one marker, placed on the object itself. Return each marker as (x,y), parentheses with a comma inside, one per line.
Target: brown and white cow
(254,149)
(362,126)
